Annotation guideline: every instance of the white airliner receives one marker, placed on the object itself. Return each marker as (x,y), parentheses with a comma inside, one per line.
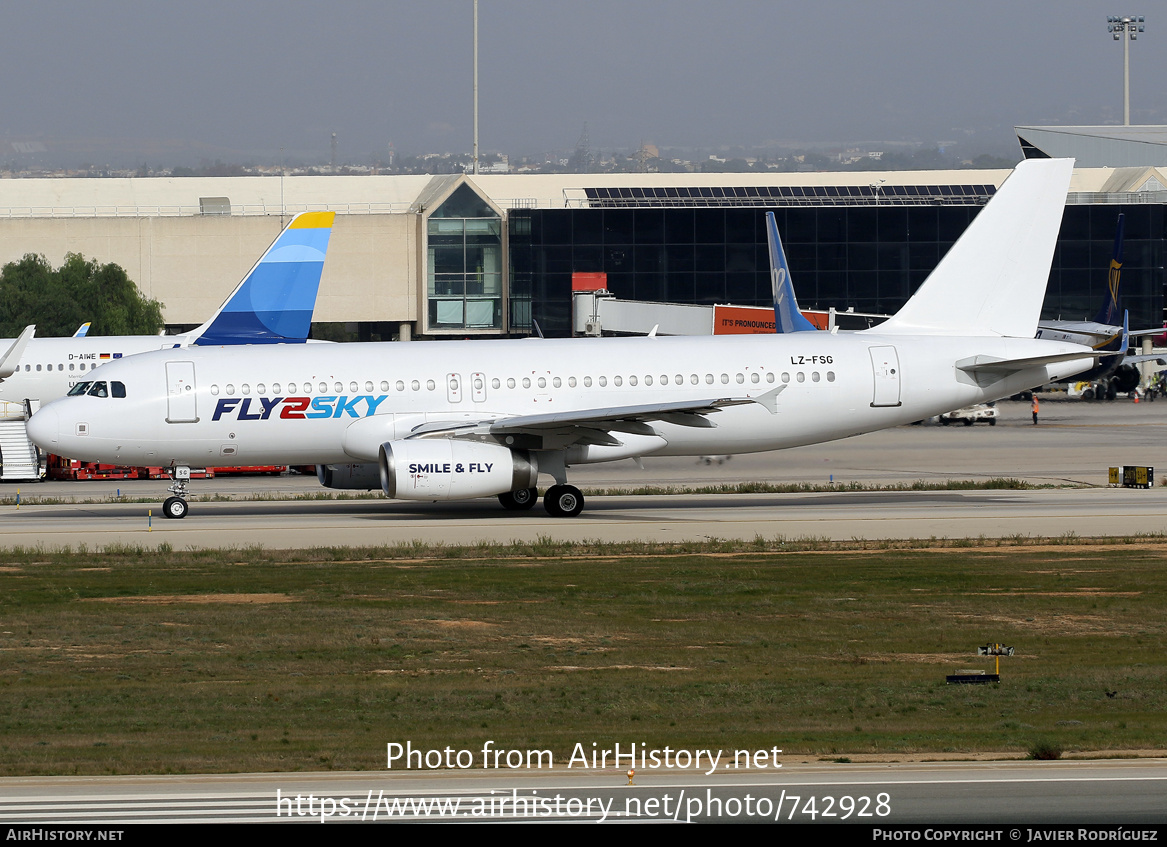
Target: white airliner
(454,420)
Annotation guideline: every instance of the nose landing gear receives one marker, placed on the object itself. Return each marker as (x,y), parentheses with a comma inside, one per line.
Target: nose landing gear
(176,507)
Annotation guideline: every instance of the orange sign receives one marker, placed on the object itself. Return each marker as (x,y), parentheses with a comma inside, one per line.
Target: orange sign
(752,320)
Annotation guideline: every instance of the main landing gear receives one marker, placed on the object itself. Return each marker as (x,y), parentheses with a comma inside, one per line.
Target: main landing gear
(560,501)
(176,507)
(519,501)
(563,501)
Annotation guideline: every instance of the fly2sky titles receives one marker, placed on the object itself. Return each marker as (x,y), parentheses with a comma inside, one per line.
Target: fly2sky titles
(522,409)
(298,408)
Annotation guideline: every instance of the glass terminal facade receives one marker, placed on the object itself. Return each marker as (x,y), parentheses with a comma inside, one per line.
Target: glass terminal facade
(867,257)
(464,264)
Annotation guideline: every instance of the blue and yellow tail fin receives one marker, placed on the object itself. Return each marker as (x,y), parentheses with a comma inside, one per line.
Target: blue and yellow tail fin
(274,302)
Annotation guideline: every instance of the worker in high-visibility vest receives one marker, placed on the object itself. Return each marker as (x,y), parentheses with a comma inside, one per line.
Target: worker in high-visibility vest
(1035,408)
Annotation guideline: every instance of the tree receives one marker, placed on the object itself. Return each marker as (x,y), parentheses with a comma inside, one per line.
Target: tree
(60,300)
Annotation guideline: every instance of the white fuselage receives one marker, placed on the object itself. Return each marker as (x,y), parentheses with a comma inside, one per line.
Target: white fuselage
(295,404)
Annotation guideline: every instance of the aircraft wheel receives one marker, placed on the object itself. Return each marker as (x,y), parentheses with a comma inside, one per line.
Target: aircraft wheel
(174,507)
(992,421)
(518,501)
(944,421)
(563,501)
(968,421)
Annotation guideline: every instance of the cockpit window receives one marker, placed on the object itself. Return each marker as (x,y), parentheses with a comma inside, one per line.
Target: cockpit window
(118,389)
(79,389)
(99,389)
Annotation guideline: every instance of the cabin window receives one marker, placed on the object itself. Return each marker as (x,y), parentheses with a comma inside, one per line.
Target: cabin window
(430,385)
(587,382)
(38,367)
(542,382)
(245,389)
(664,379)
(230,390)
(82,366)
(511,382)
(769,377)
(617,381)
(415,385)
(275,388)
(292,388)
(725,379)
(740,378)
(214,390)
(814,376)
(830,376)
(632,380)
(800,376)
(755,379)
(786,377)
(648,380)
(557,382)
(70,366)
(603,381)
(693,378)
(369,387)
(400,385)
(571,382)
(384,385)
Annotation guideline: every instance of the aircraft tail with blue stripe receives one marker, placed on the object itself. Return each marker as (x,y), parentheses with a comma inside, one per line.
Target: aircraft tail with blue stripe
(787,316)
(274,302)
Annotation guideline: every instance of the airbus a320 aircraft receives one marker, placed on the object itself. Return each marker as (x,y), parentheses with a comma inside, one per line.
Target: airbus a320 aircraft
(487,418)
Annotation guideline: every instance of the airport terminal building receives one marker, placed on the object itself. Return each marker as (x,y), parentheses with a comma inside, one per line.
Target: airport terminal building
(459,256)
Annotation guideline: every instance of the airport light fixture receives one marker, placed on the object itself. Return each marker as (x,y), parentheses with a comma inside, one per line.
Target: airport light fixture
(1132,25)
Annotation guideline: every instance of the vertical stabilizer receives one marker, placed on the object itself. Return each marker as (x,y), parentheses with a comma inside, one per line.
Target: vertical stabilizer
(787,316)
(993,280)
(1111,309)
(274,302)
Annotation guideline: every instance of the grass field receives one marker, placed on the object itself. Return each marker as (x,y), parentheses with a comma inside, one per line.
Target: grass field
(129,661)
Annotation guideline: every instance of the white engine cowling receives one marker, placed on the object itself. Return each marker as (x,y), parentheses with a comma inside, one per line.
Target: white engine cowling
(446,469)
(364,477)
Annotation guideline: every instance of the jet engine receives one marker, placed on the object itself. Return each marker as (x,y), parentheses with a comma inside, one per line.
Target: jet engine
(364,477)
(447,469)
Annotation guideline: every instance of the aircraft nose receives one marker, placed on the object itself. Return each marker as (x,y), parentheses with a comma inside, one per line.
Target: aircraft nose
(44,428)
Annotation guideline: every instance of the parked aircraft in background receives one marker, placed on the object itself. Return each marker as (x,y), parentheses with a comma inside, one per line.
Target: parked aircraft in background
(429,421)
(787,316)
(1117,372)
(272,304)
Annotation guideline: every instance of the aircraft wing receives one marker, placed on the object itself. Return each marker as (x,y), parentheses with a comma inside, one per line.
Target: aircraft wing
(591,426)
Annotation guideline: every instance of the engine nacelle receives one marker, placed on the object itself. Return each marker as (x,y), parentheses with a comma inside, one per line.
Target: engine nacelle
(447,469)
(364,477)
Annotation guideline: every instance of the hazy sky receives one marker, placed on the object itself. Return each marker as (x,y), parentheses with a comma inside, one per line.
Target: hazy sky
(242,79)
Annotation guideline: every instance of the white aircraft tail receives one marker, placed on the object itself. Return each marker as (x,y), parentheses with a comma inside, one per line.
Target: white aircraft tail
(993,280)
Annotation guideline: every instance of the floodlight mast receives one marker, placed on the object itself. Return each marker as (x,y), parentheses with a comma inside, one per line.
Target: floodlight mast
(1132,25)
